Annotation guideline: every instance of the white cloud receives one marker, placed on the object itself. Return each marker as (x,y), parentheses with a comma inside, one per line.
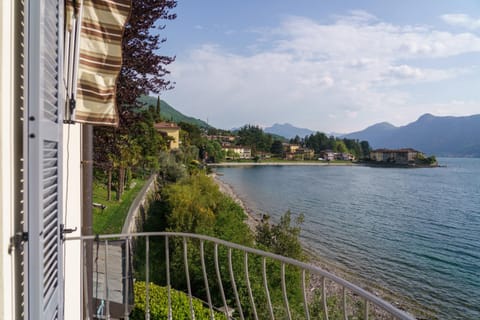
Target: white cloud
(312,73)
(406,72)
(364,38)
(462,20)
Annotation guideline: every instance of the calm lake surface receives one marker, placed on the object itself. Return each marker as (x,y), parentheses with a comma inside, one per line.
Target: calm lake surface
(415,232)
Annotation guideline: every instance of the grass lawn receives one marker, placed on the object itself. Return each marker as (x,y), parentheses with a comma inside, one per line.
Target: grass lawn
(111,219)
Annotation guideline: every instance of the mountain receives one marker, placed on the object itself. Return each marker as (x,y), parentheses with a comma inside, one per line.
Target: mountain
(441,136)
(288,131)
(373,133)
(169,113)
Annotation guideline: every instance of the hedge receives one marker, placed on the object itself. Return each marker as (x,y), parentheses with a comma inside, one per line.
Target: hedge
(158,302)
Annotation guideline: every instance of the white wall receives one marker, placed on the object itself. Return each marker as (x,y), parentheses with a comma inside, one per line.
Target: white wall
(7,303)
(72,217)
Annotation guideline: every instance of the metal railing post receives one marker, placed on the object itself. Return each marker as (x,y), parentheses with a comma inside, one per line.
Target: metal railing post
(147,278)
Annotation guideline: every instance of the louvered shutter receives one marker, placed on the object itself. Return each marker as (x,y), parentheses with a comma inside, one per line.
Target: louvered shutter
(44,20)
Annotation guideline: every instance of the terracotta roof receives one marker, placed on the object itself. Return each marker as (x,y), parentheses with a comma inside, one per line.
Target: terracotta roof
(166,125)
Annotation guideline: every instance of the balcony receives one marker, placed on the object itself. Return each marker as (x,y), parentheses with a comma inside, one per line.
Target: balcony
(230,280)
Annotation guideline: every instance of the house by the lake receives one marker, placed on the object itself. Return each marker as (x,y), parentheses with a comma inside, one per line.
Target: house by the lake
(239,151)
(344,156)
(327,155)
(300,154)
(171,130)
(397,156)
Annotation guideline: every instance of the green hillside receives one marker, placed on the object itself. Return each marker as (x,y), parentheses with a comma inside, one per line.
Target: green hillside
(169,113)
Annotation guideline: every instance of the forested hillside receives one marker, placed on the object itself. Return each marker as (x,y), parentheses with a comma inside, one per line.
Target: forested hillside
(169,113)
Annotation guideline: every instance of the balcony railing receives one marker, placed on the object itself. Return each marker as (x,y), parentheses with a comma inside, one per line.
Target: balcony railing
(223,267)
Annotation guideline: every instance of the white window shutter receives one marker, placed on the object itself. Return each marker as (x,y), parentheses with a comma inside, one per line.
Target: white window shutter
(44,279)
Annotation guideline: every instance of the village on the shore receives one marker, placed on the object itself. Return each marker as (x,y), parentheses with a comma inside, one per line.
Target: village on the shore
(228,149)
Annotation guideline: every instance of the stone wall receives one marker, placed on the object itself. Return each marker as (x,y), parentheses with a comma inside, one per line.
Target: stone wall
(139,208)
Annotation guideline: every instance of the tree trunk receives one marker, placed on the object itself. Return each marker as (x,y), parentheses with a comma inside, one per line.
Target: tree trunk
(109,184)
(121,182)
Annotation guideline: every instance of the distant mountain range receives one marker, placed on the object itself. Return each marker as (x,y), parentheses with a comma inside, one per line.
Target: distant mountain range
(440,136)
(433,135)
(169,113)
(288,131)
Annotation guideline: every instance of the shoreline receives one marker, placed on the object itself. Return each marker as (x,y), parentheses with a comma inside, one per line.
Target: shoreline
(286,163)
(320,164)
(315,259)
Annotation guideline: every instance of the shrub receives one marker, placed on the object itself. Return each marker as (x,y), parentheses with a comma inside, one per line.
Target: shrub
(158,302)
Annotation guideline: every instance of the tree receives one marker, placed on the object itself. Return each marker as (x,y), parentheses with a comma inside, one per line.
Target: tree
(143,68)
(214,151)
(365,146)
(143,71)
(157,110)
(340,146)
(277,148)
(149,139)
(281,238)
(296,140)
(317,142)
(255,138)
(190,134)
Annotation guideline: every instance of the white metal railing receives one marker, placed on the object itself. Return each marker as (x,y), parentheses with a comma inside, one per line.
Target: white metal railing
(371,305)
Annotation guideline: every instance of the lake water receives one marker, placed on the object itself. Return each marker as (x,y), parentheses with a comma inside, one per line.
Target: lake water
(415,232)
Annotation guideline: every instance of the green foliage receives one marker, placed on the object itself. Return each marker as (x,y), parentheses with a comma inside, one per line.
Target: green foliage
(170,113)
(214,151)
(192,203)
(195,204)
(158,304)
(151,142)
(232,154)
(255,138)
(130,150)
(170,170)
(218,132)
(157,109)
(277,148)
(319,142)
(187,158)
(340,146)
(365,148)
(281,238)
(334,307)
(421,159)
(190,134)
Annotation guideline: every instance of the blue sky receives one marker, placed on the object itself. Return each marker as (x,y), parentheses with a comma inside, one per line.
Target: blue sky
(332,66)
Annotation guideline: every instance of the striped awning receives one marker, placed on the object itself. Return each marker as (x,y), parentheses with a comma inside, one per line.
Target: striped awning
(100,60)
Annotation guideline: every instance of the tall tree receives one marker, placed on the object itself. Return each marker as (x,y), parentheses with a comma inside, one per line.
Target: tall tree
(365,149)
(143,68)
(254,137)
(277,148)
(158,106)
